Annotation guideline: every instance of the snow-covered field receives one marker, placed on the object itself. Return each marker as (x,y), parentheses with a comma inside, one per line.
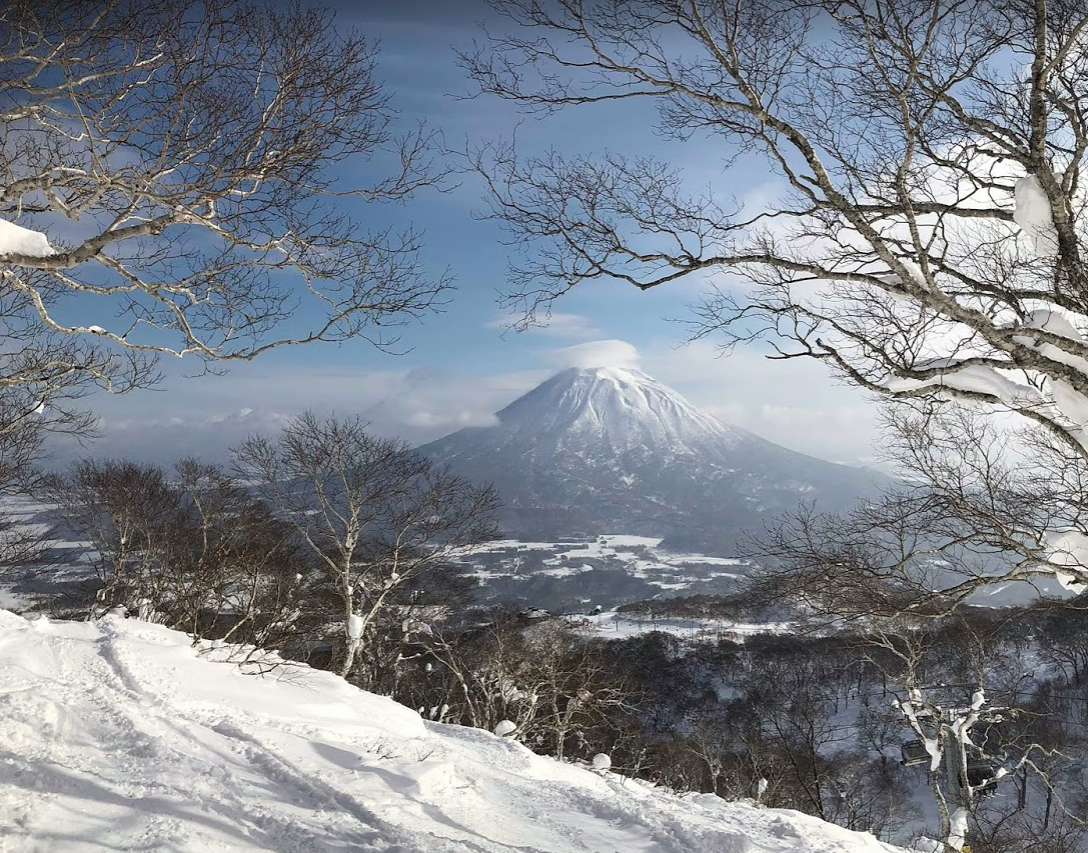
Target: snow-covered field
(642,556)
(607,570)
(614,625)
(119,735)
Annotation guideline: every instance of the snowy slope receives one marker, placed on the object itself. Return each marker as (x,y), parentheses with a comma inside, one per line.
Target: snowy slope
(610,450)
(616,408)
(117,735)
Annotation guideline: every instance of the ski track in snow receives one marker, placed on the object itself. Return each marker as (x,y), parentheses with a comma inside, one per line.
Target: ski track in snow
(117,735)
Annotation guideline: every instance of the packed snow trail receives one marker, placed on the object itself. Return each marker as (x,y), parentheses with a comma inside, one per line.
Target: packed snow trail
(118,735)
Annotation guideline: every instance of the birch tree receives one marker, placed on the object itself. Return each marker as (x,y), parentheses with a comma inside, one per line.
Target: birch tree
(929,239)
(375,516)
(171,177)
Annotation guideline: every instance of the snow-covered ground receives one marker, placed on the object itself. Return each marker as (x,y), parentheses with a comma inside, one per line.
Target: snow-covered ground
(119,735)
(507,564)
(612,625)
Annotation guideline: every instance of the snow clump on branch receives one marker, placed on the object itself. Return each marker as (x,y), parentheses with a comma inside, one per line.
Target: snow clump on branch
(1033,215)
(17,240)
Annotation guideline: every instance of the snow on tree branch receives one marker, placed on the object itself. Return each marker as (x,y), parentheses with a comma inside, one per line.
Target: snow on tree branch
(16,240)
(188,161)
(1032,213)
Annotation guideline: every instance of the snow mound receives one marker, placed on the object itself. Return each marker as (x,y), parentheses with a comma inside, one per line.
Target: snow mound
(1069,548)
(17,240)
(119,735)
(1053,321)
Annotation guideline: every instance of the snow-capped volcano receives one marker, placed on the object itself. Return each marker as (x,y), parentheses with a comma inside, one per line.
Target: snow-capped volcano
(619,408)
(611,449)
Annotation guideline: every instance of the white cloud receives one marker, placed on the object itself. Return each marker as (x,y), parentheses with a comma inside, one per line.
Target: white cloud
(606,353)
(557,324)
(795,403)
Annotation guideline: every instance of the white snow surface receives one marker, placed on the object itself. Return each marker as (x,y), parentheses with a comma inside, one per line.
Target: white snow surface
(1069,401)
(1069,548)
(17,240)
(1055,322)
(1032,213)
(119,735)
(958,832)
(619,407)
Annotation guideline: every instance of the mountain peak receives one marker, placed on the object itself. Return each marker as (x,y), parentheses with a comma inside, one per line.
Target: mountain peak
(617,407)
(611,449)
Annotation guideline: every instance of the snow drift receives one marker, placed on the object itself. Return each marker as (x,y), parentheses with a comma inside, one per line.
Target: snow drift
(118,735)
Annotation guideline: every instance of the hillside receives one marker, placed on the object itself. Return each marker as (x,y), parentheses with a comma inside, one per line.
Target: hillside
(118,735)
(612,450)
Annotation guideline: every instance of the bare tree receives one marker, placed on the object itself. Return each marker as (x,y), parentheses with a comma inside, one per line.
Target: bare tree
(21,543)
(931,240)
(185,160)
(196,552)
(568,688)
(558,689)
(470,672)
(375,515)
(1008,831)
(125,512)
(231,569)
(974,510)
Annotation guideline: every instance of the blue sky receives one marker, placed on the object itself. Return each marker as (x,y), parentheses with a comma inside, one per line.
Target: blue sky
(459,366)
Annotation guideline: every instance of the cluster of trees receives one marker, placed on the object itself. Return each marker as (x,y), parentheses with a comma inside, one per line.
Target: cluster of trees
(562,693)
(817,724)
(323,538)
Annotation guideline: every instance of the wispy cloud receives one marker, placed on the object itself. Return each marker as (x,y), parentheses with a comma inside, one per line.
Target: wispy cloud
(795,403)
(555,325)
